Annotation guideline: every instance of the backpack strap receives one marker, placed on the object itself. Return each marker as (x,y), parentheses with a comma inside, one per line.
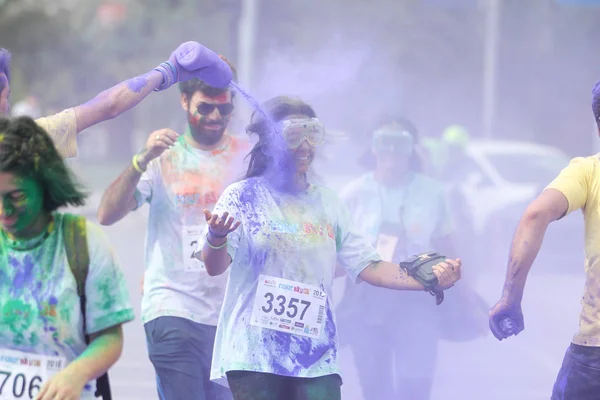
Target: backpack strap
(75,238)
(76,246)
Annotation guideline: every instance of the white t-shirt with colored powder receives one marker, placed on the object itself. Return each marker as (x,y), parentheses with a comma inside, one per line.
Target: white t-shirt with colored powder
(284,258)
(40,313)
(179,185)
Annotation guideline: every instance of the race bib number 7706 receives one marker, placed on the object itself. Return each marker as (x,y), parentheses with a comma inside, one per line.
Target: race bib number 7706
(22,375)
(289,306)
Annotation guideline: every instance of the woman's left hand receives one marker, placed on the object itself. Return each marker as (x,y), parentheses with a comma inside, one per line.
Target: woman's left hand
(448,273)
(65,385)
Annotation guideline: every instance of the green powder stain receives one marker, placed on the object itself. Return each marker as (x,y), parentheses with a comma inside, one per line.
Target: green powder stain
(105,288)
(18,317)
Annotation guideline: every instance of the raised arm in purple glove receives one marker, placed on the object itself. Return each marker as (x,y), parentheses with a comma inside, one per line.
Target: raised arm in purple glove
(189,60)
(192,60)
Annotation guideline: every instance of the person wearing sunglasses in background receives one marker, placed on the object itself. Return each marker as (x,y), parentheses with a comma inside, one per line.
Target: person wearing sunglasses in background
(180,176)
(281,236)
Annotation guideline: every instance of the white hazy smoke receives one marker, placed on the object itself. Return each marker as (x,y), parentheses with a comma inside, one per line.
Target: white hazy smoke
(331,67)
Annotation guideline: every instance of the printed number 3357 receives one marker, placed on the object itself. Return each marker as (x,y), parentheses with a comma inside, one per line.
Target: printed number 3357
(280,309)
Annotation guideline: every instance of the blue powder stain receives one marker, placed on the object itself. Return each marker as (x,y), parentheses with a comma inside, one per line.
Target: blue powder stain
(283,343)
(24,273)
(257,260)
(248,204)
(3,278)
(137,84)
(53,300)
(309,355)
(306,352)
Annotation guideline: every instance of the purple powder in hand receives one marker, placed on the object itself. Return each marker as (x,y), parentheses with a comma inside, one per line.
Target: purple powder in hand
(507,326)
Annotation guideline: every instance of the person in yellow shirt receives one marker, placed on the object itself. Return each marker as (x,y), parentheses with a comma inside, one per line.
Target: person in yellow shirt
(189,60)
(577,187)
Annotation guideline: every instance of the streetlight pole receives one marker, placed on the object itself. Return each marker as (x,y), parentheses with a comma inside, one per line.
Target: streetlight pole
(490,54)
(247,41)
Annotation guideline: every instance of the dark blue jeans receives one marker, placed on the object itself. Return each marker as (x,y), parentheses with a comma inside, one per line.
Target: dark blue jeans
(181,352)
(579,376)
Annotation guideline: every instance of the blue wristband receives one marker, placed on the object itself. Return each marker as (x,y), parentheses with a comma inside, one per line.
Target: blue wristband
(165,77)
(166,70)
(210,231)
(174,70)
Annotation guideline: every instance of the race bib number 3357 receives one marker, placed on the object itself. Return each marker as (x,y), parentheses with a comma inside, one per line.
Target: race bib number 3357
(289,306)
(22,375)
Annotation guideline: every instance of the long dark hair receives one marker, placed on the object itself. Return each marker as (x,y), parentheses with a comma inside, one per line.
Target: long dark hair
(268,151)
(26,150)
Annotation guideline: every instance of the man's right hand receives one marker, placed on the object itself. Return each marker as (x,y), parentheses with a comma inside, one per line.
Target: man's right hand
(506,319)
(157,143)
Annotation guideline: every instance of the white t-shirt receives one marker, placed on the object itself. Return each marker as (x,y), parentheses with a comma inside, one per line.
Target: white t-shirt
(283,237)
(420,207)
(40,313)
(179,185)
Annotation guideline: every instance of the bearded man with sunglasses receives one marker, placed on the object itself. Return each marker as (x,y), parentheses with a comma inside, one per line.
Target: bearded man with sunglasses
(180,176)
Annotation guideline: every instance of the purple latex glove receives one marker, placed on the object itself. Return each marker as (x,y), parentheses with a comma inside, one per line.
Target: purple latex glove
(192,60)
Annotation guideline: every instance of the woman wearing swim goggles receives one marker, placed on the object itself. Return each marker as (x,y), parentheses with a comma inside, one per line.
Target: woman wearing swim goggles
(281,238)
(298,130)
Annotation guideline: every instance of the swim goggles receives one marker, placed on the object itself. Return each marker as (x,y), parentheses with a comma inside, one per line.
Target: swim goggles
(296,131)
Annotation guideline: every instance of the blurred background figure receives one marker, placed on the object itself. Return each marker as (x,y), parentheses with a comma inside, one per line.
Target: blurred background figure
(402,213)
(447,161)
(445,153)
(28,107)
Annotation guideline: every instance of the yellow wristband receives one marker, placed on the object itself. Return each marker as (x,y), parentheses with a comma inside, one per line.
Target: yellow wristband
(215,247)
(136,166)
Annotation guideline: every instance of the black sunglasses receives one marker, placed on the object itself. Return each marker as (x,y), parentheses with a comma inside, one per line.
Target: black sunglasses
(207,108)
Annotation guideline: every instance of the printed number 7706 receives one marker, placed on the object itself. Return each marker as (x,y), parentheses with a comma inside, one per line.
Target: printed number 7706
(20,384)
(7,375)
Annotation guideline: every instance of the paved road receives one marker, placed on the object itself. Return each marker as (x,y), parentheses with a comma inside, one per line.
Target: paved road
(519,368)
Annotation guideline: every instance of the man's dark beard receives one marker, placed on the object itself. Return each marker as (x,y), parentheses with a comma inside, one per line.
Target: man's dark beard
(204,136)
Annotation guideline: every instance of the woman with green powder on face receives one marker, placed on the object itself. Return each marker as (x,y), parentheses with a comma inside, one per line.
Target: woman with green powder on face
(43,350)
